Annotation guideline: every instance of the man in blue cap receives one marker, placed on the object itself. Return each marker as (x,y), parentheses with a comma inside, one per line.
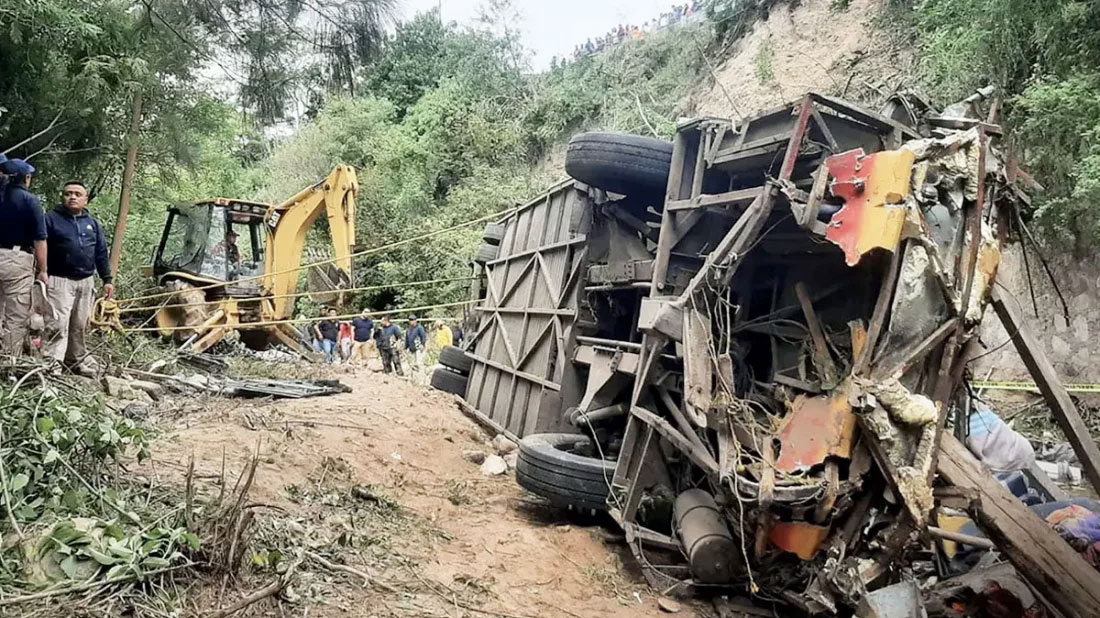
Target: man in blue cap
(77,251)
(22,253)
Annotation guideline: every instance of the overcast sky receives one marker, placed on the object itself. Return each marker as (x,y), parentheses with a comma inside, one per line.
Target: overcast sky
(551,27)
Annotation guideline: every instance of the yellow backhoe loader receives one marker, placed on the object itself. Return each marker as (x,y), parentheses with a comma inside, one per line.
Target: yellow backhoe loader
(235,265)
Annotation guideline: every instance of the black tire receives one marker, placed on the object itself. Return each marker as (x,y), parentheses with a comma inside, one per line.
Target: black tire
(494,233)
(486,253)
(620,163)
(551,465)
(449,382)
(456,359)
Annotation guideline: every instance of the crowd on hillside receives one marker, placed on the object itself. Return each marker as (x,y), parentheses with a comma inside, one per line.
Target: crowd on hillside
(675,16)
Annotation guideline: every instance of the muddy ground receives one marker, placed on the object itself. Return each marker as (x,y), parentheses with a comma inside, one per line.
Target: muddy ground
(375,479)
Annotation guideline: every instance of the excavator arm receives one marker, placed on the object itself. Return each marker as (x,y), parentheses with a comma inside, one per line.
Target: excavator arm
(289,223)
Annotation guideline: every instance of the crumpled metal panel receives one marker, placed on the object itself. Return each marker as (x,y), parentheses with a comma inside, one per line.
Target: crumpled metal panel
(815,428)
(874,188)
(799,538)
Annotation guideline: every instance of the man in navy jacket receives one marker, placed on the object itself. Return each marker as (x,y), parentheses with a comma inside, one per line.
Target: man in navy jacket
(77,250)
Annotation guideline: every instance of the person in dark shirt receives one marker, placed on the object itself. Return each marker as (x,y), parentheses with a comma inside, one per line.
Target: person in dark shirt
(77,250)
(416,342)
(364,331)
(22,253)
(386,337)
(327,332)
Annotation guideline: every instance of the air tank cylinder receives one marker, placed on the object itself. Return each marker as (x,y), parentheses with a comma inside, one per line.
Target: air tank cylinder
(711,552)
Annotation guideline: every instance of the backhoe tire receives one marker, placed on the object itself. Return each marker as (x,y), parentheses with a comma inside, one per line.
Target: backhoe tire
(486,253)
(456,359)
(620,163)
(494,233)
(557,467)
(449,381)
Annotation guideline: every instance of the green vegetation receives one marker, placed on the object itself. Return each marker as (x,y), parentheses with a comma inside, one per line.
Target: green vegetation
(1044,56)
(446,127)
(764,63)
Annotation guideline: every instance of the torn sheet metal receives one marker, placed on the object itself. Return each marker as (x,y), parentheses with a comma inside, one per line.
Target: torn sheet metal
(816,428)
(799,538)
(901,600)
(874,188)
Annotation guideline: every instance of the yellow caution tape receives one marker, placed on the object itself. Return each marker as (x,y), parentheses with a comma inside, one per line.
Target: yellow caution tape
(1009,385)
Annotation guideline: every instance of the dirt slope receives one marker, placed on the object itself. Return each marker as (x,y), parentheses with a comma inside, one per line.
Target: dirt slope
(452,529)
(803,46)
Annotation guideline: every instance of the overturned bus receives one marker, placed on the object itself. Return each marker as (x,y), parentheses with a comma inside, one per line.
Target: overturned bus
(748,344)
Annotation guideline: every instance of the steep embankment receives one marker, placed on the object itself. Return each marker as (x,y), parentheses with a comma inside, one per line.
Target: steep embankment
(803,46)
(814,45)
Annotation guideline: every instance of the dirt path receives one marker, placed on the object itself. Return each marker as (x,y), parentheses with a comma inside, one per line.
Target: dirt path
(430,524)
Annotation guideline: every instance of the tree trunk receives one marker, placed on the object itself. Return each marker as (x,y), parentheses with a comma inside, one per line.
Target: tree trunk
(127,184)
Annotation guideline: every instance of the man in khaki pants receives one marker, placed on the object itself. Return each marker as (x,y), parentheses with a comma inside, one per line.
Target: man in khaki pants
(22,253)
(77,250)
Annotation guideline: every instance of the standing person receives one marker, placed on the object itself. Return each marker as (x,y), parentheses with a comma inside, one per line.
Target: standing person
(77,250)
(364,329)
(416,341)
(22,253)
(327,332)
(442,335)
(386,337)
(347,337)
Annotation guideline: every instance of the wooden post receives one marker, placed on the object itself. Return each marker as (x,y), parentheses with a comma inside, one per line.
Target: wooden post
(127,184)
(1033,547)
(1055,394)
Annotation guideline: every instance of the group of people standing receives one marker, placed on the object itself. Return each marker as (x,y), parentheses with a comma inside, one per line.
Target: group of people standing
(61,251)
(675,15)
(352,340)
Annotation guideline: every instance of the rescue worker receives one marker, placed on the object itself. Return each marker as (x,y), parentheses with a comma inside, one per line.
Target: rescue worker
(327,332)
(364,330)
(442,335)
(77,251)
(22,253)
(416,342)
(386,336)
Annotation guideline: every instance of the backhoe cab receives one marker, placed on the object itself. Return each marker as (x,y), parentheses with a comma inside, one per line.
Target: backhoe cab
(235,264)
(214,241)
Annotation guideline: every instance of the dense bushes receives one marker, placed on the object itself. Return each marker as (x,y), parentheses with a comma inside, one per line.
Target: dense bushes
(1044,55)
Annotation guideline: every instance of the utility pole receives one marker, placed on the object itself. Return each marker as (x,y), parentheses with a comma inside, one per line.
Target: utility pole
(127,183)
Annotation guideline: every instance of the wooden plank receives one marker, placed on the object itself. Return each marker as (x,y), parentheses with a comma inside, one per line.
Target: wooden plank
(1054,392)
(1040,480)
(1032,546)
(822,359)
(882,305)
(901,360)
